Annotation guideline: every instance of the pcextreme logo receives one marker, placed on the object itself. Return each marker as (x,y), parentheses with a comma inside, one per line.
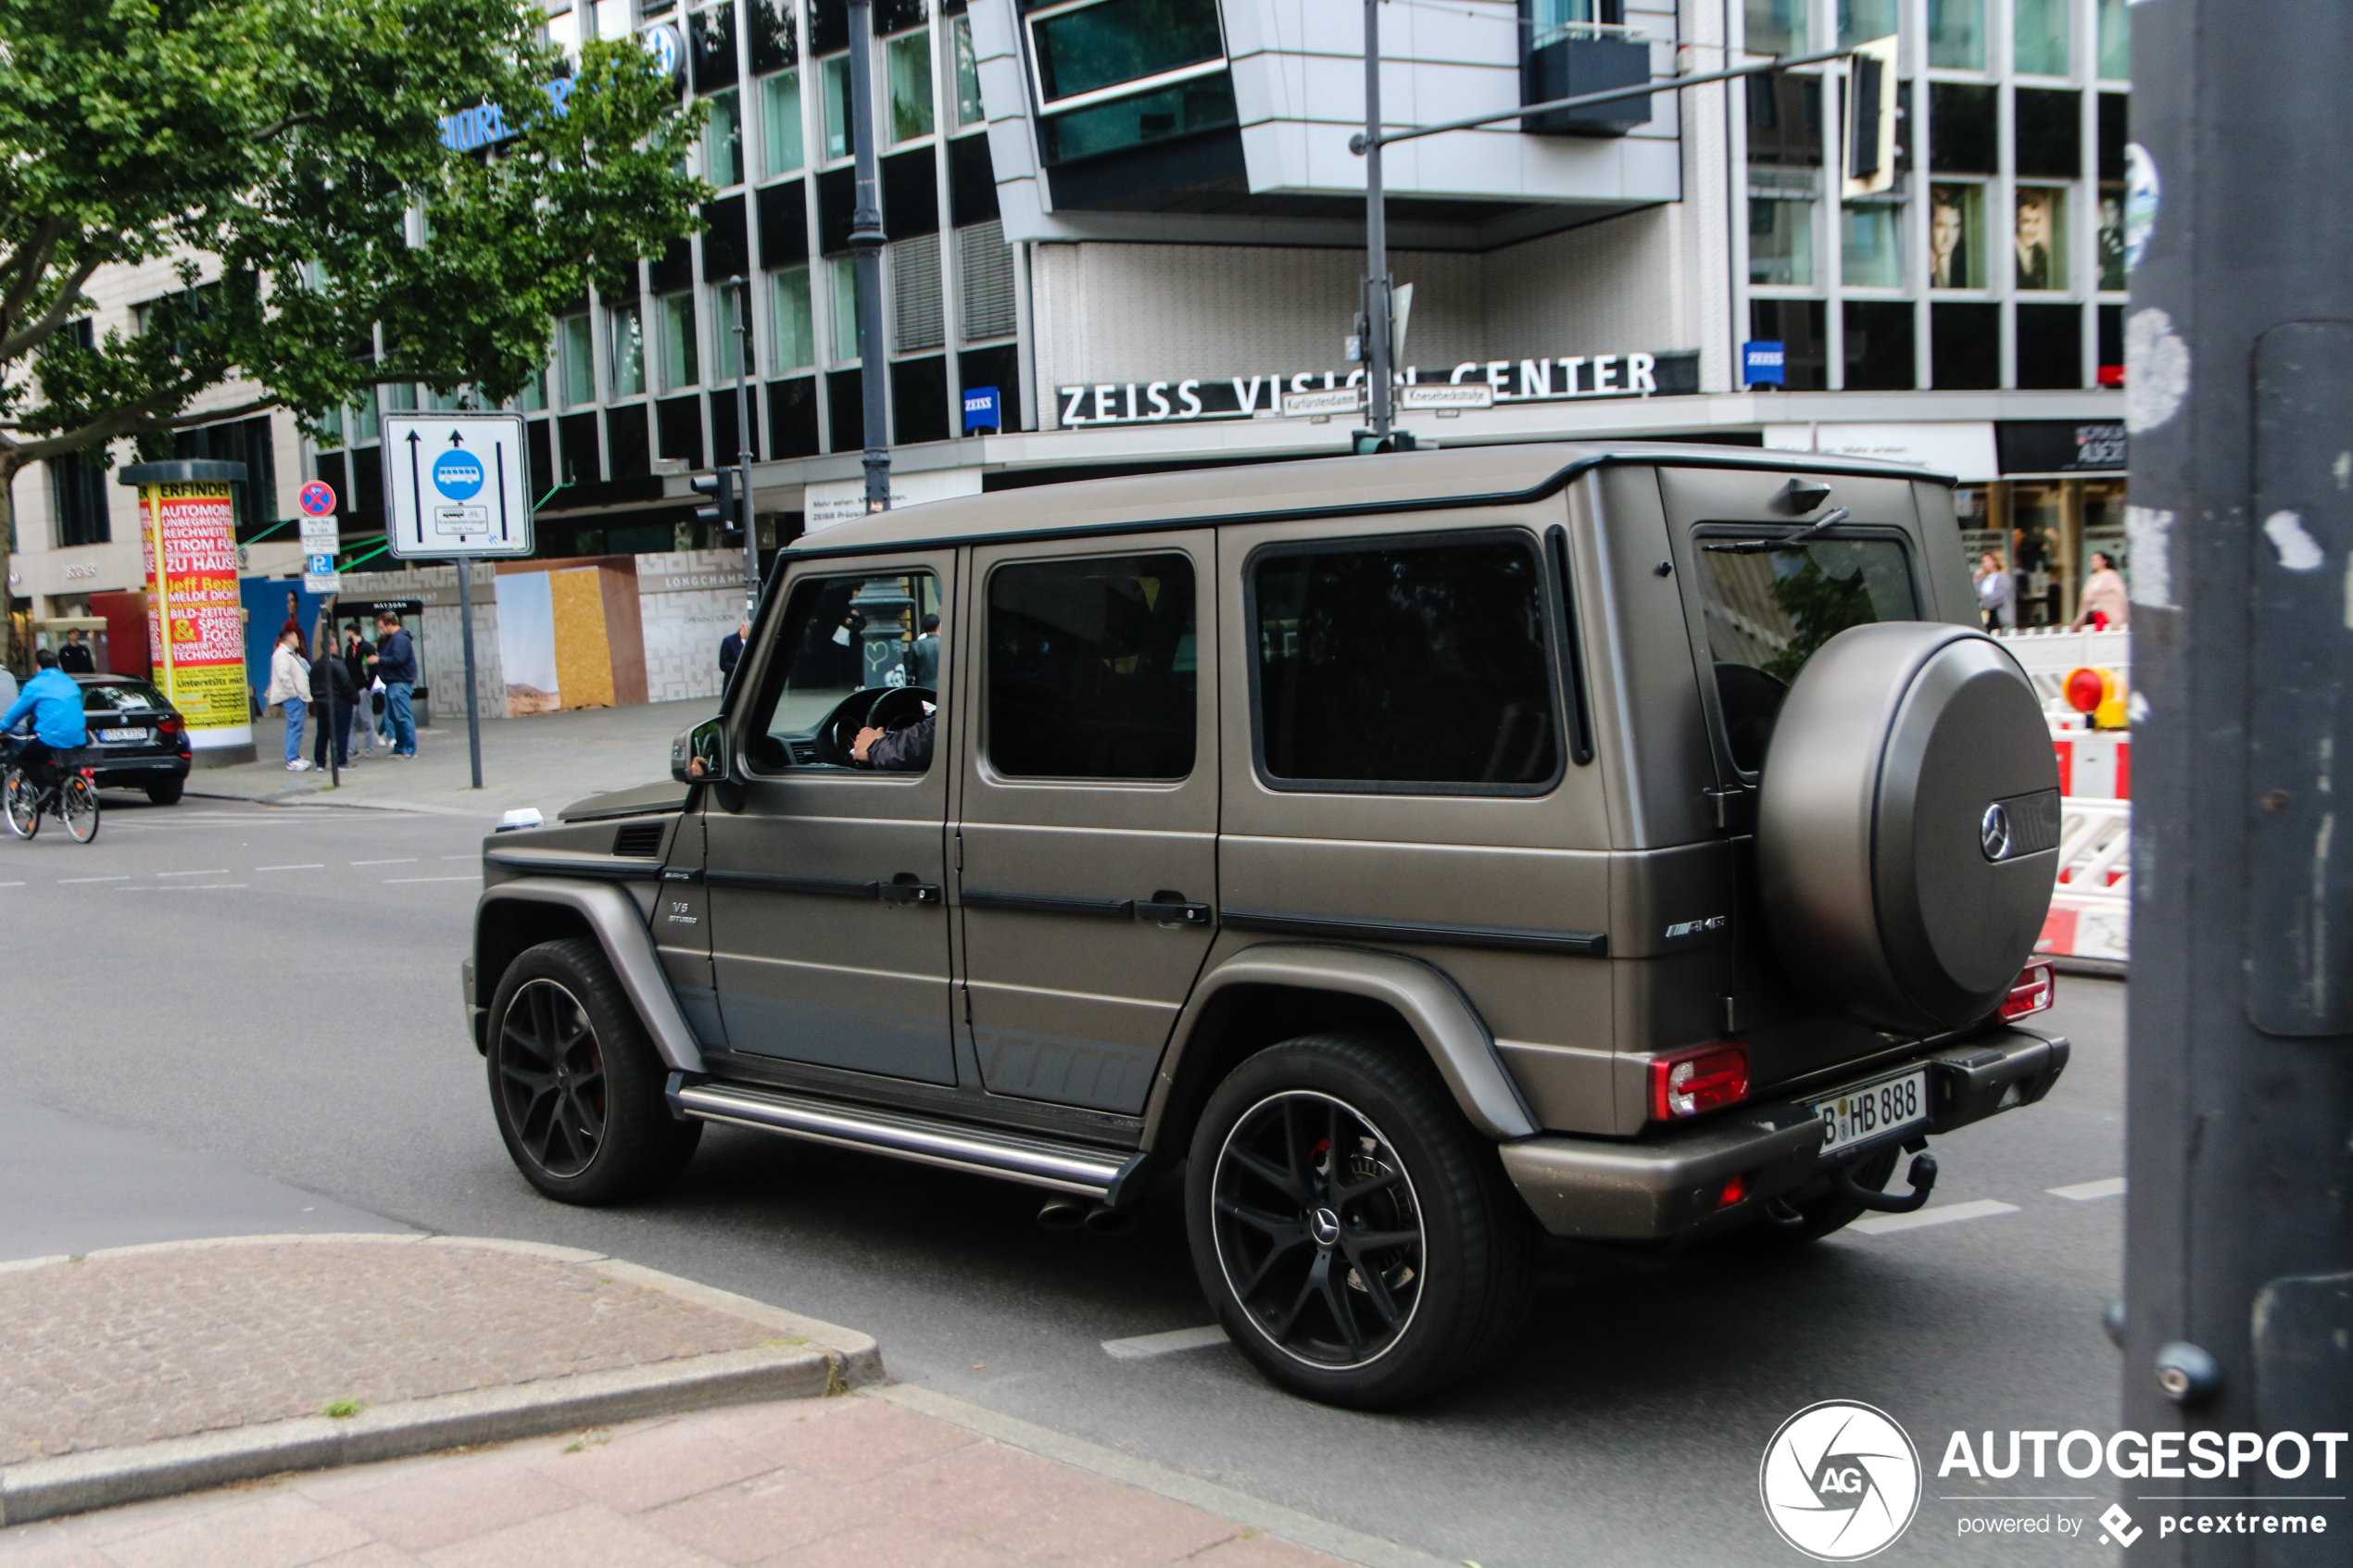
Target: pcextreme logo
(1841,1481)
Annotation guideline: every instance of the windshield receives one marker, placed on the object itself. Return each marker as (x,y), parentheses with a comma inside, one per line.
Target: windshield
(1767,613)
(121,697)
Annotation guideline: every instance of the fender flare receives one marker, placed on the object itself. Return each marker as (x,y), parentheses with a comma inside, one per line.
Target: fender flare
(621,931)
(1458,1041)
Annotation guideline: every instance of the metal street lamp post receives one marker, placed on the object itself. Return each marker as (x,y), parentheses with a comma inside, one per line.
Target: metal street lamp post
(866,240)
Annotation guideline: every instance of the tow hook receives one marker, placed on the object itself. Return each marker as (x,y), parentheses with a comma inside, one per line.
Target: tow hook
(1924,1180)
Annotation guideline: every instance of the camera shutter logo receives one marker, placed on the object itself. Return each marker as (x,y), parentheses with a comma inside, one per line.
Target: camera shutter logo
(1841,1481)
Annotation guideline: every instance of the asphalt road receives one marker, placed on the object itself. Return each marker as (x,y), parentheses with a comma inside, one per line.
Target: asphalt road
(226,1017)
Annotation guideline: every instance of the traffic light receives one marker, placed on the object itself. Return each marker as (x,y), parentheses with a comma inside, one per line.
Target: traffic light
(721,507)
(1874,102)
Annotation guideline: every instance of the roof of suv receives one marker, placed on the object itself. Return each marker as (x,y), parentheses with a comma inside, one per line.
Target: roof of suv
(1453,476)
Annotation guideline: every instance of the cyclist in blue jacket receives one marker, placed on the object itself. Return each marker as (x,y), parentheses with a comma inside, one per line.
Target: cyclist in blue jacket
(53,700)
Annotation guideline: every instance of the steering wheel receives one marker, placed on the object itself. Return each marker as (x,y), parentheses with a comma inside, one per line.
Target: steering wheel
(878,708)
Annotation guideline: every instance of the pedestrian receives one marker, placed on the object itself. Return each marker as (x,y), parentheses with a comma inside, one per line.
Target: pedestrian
(357,651)
(923,658)
(333,693)
(395,662)
(74,657)
(2102,606)
(1996,594)
(731,652)
(290,687)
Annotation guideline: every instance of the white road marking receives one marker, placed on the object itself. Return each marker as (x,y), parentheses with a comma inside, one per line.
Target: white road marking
(185,888)
(1944,1214)
(397,860)
(217,871)
(306,866)
(390,880)
(1144,1347)
(2084,1191)
(69,881)
(11,884)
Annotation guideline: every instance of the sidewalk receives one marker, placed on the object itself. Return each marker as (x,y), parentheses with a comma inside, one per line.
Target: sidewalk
(547,761)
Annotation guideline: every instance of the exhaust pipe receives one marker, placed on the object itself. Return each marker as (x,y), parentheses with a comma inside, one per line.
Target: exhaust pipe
(1110,1221)
(1062,1214)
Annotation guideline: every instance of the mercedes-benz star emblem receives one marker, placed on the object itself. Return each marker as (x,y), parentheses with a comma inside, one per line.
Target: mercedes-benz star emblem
(1325,1224)
(1994,833)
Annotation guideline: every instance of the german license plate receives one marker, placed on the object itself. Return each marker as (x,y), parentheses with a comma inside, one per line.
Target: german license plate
(1870,1110)
(122,734)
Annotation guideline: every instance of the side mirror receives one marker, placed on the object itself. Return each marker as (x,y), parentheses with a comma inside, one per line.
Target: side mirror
(700,754)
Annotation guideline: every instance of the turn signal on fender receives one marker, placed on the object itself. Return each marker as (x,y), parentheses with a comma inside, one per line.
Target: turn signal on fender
(2034,990)
(1686,1083)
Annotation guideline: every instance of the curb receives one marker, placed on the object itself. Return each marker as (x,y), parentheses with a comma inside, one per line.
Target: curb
(815,1359)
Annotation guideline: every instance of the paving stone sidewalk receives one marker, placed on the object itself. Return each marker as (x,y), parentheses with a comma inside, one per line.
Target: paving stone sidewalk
(856,1482)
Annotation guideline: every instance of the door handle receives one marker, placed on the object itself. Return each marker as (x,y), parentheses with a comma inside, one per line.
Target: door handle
(909,893)
(1172,912)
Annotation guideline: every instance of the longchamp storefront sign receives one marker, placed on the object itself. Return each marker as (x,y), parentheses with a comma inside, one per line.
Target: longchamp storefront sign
(1320,394)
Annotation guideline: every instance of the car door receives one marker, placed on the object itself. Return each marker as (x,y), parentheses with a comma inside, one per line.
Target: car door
(1087,819)
(826,879)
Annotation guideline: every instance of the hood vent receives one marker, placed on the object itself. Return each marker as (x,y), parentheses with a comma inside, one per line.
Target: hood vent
(639,840)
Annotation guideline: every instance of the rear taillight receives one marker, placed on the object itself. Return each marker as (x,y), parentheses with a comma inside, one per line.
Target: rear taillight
(169,725)
(2036,990)
(1704,1078)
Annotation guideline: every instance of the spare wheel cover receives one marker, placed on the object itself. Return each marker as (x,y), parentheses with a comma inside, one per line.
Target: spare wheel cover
(1909,829)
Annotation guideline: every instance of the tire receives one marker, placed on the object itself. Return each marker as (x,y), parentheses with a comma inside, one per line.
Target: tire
(77,807)
(22,811)
(1818,1216)
(615,1139)
(166,793)
(1364,1323)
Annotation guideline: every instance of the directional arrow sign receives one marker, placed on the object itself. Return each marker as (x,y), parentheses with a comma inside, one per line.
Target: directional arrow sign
(456,485)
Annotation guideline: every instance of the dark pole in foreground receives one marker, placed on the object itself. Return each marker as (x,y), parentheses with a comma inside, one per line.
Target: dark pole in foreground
(466,635)
(1377,348)
(866,240)
(2239,395)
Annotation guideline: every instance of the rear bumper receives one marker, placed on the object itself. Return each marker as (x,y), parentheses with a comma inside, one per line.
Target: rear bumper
(1664,1184)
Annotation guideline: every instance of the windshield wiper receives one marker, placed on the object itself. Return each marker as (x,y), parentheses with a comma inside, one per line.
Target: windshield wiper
(1806,535)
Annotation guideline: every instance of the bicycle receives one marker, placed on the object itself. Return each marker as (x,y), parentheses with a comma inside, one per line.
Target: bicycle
(72,798)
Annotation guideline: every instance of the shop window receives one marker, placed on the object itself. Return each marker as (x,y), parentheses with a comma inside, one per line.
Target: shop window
(711,46)
(1785,120)
(1798,326)
(678,422)
(1859,21)
(2050,346)
(628,453)
(1957,237)
(1879,344)
(722,140)
(919,400)
(1110,43)
(1964,346)
(1776,27)
(1957,35)
(968,109)
(796,336)
(575,361)
(780,123)
(918,321)
(1869,250)
(1961,128)
(681,363)
(909,72)
(792,417)
(2050,133)
(2038,244)
(2040,37)
(773,46)
(1205,103)
(78,491)
(986,265)
(1091,668)
(1781,241)
(2116,39)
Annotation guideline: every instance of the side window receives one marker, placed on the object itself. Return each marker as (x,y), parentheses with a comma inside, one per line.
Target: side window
(1406,666)
(1768,612)
(839,636)
(1092,668)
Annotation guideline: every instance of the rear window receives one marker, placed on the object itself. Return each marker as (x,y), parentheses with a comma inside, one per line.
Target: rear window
(1767,613)
(1412,666)
(121,697)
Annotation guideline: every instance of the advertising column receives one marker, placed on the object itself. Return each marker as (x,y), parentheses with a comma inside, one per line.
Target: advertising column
(187,515)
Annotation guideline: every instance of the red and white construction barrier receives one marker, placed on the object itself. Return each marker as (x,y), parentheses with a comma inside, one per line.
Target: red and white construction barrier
(2092,908)
(2094,764)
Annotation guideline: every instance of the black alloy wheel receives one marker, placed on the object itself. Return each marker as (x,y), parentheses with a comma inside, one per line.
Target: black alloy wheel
(1317,1229)
(576,1083)
(551,1078)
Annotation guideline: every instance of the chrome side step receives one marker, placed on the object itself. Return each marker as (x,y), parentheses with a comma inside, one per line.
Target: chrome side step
(1083,1169)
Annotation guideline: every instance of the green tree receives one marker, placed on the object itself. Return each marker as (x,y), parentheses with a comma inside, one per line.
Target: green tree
(270,154)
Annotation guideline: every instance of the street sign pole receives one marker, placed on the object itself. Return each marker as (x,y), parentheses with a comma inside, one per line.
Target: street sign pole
(1379,348)
(466,636)
(2238,391)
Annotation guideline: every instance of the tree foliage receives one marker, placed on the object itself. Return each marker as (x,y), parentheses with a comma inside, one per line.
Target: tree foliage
(273,150)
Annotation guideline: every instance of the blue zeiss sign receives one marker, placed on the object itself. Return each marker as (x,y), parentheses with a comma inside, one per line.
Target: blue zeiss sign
(984,409)
(457,475)
(1764,364)
(485,124)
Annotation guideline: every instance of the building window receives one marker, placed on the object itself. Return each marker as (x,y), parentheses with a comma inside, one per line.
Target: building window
(575,361)
(1870,255)
(1798,325)
(780,123)
(2040,38)
(1859,21)
(1965,346)
(835,72)
(910,86)
(986,265)
(364,427)
(1781,241)
(681,365)
(1956,34)
(1957,237)
(2116,39)
(788,310)
(722,140)
(968,111)
(916,313)
(730,309)
(1961,128)
(2039,250)
(1203,105)
(1776,27)
(845,310)
(1100,44)
(79,489)
(1879,344)
(625,350)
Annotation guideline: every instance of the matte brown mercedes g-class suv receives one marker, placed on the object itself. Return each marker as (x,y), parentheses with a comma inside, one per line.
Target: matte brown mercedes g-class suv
(1634,844)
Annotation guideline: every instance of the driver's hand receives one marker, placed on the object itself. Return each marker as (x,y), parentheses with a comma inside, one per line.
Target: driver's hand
(866,737)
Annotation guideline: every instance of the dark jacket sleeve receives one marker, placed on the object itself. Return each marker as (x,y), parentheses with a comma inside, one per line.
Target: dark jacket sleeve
(908,751)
